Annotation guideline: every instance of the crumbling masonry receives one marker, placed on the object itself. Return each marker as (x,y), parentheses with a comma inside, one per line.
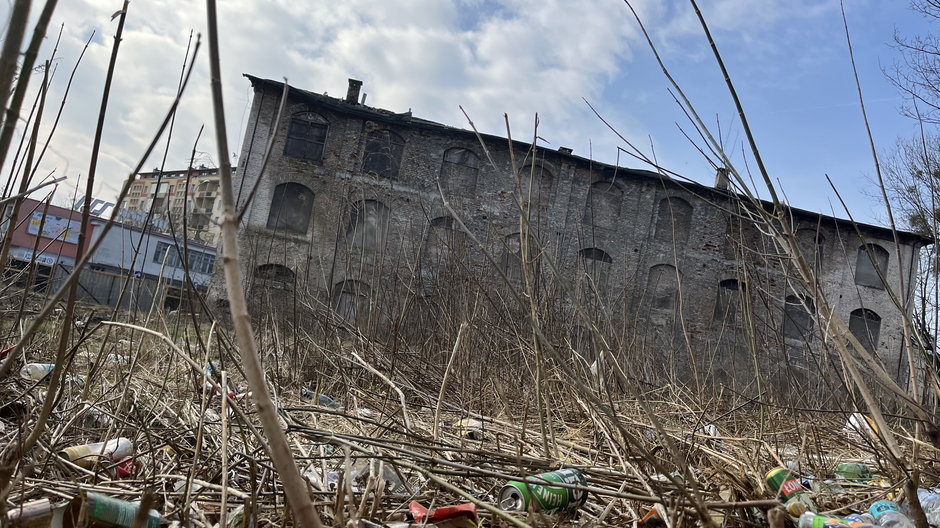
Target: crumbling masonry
(348,212)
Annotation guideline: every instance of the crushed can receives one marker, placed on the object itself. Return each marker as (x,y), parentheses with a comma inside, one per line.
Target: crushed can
(88,455)
(521,496)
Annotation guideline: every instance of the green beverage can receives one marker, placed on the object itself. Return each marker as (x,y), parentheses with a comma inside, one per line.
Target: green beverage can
(521,496)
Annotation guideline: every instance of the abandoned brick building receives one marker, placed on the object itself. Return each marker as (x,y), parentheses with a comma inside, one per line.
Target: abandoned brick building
(348,213)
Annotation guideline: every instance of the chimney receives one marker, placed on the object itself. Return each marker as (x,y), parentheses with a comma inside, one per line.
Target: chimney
(721,179)
(352,93)
(565,150)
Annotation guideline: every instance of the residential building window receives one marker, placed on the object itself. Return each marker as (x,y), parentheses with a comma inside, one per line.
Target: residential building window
(798,317)
(306,136)
(383,154)
(865,325)
(603,205)
(199,262)
(367,229)
(596,264)
(291,208)
(459,172)
(870,265)
(673,221)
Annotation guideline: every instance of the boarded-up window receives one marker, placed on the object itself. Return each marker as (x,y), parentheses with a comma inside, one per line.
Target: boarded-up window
(865,325)
(352,303)
(291,207)
(728,300)
(662,287)
(603,205)
(306,136)
(383,154)
(596,264)
(872,259)
(797,317)
(512,257)
(811,244)
(368,226)
(673,221)
(459,172)
(537,182)
(445,248)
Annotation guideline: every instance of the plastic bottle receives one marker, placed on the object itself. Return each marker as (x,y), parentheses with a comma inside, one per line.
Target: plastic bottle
(36,371)
(88,455)
(860,517)
(887,513)
(791,492)
(930,502)
(812,520)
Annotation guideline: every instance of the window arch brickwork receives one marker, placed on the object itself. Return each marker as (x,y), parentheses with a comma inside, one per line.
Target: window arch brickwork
(662,287)
(459,172)
(596,264)
(603,205)
(798,317)
(367,230)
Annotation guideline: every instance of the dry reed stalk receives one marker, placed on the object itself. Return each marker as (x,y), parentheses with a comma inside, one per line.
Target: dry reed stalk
(303,511)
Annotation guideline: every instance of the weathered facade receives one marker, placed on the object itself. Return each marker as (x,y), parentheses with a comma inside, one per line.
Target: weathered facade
(349,211)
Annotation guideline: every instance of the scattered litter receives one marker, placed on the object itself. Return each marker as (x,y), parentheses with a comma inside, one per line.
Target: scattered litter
(36,371)
(521,496)
(470,428)
(459,516)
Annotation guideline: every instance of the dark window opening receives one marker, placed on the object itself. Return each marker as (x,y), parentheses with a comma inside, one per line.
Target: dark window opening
(596,264)
(728,300)
(352,302)
(306,136)
(798,317)
(870,265)
(291,208)
(865,325)
(275,273)
(383,154)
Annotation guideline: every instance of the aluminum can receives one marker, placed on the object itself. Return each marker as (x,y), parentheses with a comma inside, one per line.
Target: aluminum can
(94,509)
(521,496)
(88,455)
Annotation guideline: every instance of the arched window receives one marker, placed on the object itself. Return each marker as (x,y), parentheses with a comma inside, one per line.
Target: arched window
(459,172)
(291,207)
(537,182)
(445,246)
(367,229)
(275,273)
(596,264)
(383,154)
(870,265)
(811,244)
(673,221)
(306,136)
(352,302)
(798,317)
(662,287)
(603,205)
(728,300)
(512,257)
(865,325)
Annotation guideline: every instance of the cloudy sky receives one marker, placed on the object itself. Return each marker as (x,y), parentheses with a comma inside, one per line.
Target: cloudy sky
(788,59)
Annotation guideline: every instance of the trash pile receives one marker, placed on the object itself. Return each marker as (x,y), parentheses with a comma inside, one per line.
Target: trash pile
(160,447)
